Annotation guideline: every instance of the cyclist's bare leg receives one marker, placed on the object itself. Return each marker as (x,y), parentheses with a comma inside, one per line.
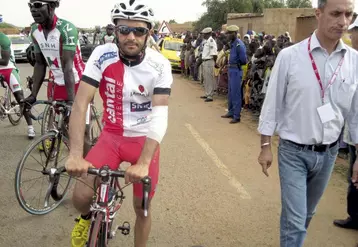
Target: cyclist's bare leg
(19,97)
(142,223)
(83,194)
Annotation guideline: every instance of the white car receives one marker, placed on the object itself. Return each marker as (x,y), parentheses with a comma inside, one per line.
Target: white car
(20,43)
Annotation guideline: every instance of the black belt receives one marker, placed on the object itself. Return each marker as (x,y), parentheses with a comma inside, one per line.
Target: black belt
(204,60)
(320,148)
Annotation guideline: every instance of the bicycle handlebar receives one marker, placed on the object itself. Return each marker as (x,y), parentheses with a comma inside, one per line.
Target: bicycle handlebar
(45,102)
(106,172)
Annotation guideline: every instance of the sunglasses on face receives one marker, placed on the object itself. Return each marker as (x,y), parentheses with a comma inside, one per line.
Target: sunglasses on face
(36,5)
(137,31)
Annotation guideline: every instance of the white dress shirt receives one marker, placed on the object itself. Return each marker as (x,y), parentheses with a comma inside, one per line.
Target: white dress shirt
(210,49)
(293,94)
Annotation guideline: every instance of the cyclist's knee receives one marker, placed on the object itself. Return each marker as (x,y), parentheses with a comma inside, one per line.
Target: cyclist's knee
(83,192)
(137,204)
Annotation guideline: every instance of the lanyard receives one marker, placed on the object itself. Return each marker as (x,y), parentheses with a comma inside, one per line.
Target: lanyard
(315,69)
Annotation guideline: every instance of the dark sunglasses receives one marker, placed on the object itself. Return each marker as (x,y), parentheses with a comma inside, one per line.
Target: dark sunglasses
(137,31)
(36,5)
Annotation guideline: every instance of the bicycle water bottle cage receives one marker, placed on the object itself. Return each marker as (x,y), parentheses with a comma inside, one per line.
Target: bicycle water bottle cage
(2,81)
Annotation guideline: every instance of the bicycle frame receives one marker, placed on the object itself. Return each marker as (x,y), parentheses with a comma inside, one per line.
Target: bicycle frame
(108,200)
(105,204)
(11,110)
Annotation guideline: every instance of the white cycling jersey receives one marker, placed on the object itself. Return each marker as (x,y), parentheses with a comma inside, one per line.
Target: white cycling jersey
(63,36)
(127,88)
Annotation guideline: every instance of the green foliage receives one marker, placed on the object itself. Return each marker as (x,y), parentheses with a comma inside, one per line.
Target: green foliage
(172,21)
(299,4)
(217,10)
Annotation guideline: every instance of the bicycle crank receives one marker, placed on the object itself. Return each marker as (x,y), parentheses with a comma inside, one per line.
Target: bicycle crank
(125,228)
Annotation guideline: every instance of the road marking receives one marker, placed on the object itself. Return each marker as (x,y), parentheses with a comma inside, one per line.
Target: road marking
(222,167)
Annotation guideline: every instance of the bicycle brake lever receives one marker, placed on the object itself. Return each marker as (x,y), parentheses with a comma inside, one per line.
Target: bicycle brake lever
(147,184)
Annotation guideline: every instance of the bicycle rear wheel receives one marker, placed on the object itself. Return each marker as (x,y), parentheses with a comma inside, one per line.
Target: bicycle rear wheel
(98,233)
(15,117)
(37,163)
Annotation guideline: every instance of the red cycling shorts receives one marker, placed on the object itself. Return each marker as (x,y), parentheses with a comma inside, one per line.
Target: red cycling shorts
(112,149)
(59,92)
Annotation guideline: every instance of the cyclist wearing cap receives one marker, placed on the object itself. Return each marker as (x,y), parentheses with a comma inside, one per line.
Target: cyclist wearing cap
(135,83)
(10,73)
(56,46)
(109,37)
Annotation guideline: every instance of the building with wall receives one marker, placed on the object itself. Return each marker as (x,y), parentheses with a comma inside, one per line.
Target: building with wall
(246,21)
(272,21)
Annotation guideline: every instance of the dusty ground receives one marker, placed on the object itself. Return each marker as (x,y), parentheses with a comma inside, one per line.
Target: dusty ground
(212,192)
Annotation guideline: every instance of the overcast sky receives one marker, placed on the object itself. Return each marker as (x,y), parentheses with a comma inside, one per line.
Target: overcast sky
(89,13)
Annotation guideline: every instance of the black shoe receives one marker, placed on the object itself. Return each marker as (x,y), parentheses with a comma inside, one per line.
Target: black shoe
(203,97)
(227,116)
(209,100)
(234,121)
(347,223)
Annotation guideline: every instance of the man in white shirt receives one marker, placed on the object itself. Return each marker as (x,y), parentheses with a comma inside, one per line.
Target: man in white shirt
(209,55)
(311,92)
(352,196)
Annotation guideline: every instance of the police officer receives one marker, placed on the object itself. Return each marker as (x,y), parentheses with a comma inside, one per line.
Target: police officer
(209,54)
(236,60)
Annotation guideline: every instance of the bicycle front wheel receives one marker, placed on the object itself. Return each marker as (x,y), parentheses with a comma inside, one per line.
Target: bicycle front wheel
(34,170)
(98,233)
(15,116)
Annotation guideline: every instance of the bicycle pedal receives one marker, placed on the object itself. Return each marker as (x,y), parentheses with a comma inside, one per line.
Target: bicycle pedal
(125,228)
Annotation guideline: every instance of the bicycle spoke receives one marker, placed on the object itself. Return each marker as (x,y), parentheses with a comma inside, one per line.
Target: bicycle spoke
(31,185)
(32,170)
(31,179)
(40,192)
(37,192)
(38,161)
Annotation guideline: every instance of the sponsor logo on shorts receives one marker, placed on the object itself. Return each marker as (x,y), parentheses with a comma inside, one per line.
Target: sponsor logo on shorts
(135,107)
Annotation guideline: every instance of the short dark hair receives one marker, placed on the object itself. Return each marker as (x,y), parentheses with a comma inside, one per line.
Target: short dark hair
(321,4)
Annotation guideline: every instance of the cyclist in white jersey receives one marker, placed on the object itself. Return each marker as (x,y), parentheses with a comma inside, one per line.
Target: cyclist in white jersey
(135,83)
(10,73)
(109,36)
(57,47)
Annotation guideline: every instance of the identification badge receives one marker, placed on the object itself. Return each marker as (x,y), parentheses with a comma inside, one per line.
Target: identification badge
(326,113)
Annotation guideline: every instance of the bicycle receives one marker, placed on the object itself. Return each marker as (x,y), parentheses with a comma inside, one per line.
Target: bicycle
(49,117)
(56,139)
(9,108)
(107,201)
(52,141)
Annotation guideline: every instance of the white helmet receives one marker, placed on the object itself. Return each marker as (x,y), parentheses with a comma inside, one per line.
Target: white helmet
(133,10)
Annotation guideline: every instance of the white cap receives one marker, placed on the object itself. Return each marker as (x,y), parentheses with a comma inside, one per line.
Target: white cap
(353,25)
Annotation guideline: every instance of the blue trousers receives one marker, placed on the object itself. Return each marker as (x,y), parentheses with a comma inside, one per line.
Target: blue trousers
(304,176)
(234,92)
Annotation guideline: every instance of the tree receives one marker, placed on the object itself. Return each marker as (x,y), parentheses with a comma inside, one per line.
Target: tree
(299,4)
(157,25)
(172,21)
(217,10)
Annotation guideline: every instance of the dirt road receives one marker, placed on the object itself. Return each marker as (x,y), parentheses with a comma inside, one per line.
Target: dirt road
(211,193)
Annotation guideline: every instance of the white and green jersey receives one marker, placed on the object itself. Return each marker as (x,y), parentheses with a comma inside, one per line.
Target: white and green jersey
(62,37)
(108,38)
(5,45)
